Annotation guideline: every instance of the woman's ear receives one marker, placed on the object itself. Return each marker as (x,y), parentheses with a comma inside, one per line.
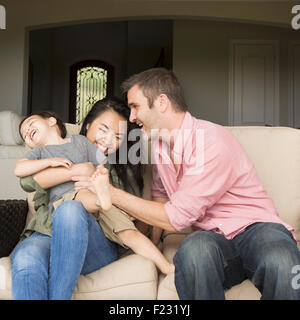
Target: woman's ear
(87,126)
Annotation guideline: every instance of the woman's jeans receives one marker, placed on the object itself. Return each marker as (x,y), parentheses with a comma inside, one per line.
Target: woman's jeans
(207,263)
(46,267)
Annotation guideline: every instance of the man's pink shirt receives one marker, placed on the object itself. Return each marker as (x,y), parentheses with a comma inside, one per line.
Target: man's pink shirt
(215,185)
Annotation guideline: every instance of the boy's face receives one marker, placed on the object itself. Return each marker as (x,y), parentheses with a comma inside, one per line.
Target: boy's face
(34,130)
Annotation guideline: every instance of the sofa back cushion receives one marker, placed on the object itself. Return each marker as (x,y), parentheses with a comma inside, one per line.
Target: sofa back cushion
(275,153)
(9,128)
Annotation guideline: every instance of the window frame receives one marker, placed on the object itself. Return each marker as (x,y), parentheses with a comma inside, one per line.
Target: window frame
(73,82)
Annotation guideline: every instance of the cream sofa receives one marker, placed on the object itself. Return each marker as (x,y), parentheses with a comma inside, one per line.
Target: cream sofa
(275,153)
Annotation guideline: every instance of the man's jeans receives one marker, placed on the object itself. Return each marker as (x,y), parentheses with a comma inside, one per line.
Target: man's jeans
(48,267)
(207,263)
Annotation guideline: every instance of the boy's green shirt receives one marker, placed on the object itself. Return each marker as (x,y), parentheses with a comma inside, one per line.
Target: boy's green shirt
(41,221)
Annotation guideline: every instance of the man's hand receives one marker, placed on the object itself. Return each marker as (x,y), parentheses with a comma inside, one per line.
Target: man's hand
(60,162)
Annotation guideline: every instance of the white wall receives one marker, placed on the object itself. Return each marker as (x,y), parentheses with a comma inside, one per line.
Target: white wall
(35,13)
(54,50)
(128,46)
(145,40)
(201,61)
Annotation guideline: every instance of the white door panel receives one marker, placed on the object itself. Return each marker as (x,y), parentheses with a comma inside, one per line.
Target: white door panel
(253,84)
(294,86)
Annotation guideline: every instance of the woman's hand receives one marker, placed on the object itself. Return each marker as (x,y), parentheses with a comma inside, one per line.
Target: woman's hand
(60,162)
(82,182)
(85,181)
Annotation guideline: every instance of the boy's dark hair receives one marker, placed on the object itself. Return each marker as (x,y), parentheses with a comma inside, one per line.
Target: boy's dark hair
(46,115)
(156,81)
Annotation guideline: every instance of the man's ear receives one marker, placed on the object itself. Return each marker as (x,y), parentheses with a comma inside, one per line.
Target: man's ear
(52,121)
(163,102)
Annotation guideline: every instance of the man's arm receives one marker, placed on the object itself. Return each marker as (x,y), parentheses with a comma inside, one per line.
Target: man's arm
(151,212)
(156,231)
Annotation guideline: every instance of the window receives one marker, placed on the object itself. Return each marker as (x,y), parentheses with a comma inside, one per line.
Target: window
(90,81)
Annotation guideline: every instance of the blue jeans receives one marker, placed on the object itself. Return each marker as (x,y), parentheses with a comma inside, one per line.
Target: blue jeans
(46,267)
(207,263)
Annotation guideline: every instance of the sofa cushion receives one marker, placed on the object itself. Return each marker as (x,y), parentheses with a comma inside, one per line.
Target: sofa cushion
(5,278)
(275,153)
(243,291)
(12,152)
(130,278)
(9,128)
(121,280)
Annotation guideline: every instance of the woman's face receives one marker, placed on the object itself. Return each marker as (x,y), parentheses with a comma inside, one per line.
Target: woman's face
(107,131)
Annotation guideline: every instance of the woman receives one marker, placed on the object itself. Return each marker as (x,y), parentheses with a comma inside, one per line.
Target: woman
(57,249)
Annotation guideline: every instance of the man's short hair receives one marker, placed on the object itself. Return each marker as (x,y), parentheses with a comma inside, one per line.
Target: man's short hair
(156,81)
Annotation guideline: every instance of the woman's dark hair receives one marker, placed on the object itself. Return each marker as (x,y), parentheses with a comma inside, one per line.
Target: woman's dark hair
(46,115)
(116,105)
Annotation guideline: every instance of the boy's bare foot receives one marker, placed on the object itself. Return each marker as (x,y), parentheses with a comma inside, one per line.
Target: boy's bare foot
(100,181)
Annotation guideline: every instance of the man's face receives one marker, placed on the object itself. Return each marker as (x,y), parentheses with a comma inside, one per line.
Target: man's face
(141,113)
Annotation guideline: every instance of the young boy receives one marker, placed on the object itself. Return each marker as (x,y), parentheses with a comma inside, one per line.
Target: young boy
(45,133)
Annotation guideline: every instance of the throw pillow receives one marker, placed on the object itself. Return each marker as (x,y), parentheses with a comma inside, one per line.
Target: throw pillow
(13,215)
(9,128)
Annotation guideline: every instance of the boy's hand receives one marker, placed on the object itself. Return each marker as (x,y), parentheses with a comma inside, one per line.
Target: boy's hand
(60,162)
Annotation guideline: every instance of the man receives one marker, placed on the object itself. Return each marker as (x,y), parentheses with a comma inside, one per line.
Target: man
(210,184)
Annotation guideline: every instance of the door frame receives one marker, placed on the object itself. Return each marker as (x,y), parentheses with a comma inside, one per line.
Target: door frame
(291,111)
(232,45)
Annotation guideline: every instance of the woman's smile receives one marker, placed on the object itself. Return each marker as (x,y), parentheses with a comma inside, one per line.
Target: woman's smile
(102,148)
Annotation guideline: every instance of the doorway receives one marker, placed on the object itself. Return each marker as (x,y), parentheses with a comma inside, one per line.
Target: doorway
(254,83)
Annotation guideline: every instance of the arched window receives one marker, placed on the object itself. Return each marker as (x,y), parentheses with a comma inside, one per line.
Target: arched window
(90,81)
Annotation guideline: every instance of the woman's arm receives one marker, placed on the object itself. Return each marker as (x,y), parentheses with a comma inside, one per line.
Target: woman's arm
(25,167)
(51,177)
